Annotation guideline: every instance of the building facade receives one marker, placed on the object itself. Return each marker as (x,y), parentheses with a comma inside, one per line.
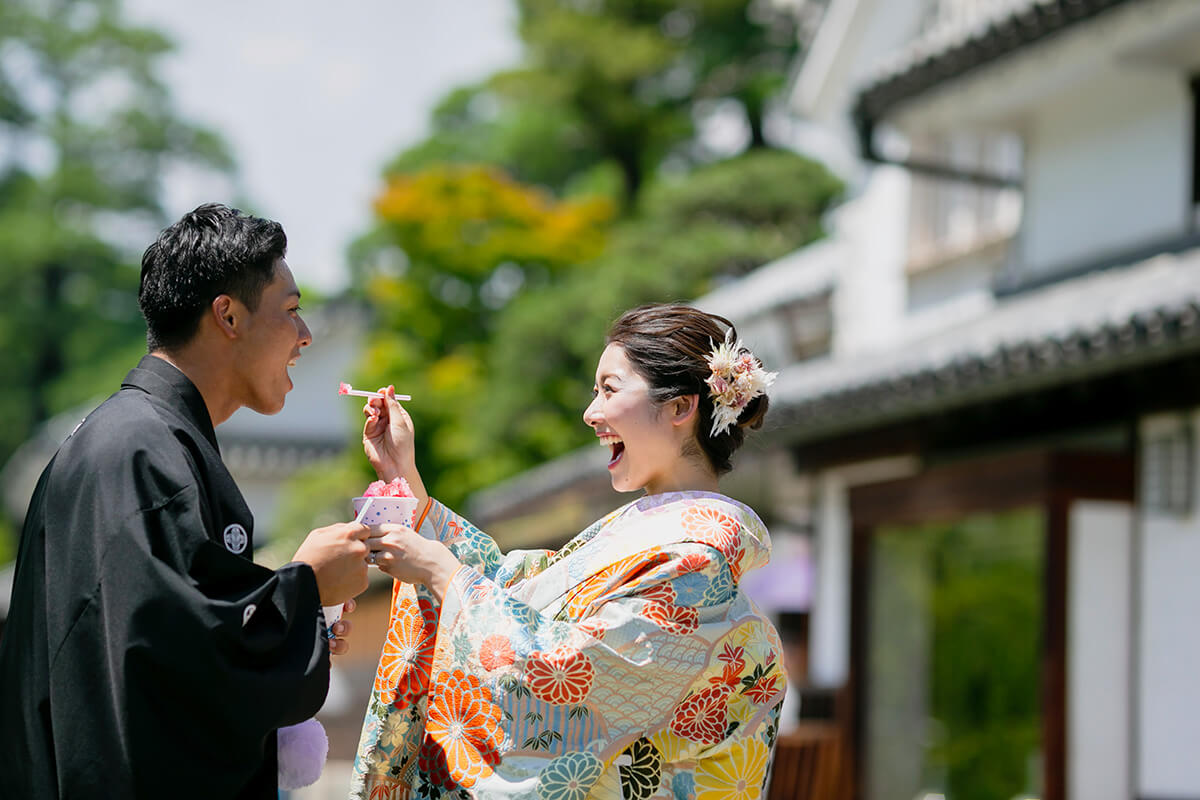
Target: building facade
(990,383)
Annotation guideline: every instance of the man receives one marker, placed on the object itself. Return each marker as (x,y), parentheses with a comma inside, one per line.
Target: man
(145,654)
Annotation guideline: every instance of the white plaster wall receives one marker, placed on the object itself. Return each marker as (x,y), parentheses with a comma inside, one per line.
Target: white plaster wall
(1168,641)
(869,301)
(1099,605)
(829,618)
(1107,167)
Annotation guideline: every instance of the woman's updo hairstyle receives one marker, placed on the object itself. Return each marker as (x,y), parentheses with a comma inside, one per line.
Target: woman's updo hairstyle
(669,346)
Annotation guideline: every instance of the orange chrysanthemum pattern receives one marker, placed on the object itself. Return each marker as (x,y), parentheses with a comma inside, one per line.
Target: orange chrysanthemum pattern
(681,620)
(407,659)
(702,717)
(606,580)
(563,676)
(465,725)
(496,652)
(718,530)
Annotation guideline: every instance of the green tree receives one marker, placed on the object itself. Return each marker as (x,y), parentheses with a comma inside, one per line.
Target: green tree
(493,315)
(690,233)
(453,245)
(86,132)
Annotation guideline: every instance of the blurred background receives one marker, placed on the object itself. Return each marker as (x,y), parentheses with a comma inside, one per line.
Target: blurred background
(964,231)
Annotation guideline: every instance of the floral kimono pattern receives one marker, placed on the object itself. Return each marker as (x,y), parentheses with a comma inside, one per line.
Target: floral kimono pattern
(628,664)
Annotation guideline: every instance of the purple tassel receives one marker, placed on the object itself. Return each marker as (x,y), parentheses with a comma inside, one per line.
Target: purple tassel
(302,750)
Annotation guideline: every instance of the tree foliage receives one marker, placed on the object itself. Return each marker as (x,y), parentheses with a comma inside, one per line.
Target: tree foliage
(550,197)
(86,132)
(455,243)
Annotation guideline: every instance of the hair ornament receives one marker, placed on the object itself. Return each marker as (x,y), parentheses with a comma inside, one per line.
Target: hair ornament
(737,378)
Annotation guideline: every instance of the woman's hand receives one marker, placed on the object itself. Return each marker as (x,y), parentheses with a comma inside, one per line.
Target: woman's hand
(388,437)
(409,557)
(390,443)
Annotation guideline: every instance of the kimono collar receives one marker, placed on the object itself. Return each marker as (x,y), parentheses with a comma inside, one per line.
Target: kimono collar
(753,537)
(162,379)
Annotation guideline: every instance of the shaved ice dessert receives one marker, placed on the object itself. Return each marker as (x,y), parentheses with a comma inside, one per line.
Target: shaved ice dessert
(390,501)
(385,502)
(398,487)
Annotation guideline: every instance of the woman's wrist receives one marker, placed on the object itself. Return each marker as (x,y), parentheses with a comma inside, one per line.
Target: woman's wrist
(442,574)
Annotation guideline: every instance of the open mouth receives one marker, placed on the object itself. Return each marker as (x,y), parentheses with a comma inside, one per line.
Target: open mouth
(616,446)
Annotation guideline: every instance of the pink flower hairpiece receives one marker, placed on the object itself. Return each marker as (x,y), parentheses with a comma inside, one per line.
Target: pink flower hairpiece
(737,378)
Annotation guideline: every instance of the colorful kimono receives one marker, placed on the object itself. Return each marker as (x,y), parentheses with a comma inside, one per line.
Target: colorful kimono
(628,664)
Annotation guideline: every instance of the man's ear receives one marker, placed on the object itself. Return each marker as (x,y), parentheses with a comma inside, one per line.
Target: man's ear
(684,408)
(224,312)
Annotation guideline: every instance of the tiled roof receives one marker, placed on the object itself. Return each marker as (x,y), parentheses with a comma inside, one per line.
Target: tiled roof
(962,43)
(1100,323)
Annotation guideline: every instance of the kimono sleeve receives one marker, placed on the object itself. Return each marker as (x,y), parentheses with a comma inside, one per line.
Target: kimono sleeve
(662,644)
(202,655)
(476,549)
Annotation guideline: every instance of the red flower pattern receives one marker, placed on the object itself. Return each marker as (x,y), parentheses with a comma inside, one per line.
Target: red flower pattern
(563,676)
(730,676)
(432,761)
(763,689)
(662,593)
(681,620)
(692,562)
(702,717)
(732,654)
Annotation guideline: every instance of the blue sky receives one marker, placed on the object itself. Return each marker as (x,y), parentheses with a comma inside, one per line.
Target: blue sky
(315,97)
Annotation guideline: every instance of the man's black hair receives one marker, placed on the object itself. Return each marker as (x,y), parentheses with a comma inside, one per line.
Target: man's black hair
(211,251)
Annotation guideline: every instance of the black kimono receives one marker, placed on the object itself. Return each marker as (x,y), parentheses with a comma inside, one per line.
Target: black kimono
(145,654)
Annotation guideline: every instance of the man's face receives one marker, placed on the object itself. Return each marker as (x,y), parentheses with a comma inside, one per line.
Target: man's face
(270,342)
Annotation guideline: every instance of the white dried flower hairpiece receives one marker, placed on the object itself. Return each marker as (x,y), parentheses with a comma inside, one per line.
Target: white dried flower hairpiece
(737,378)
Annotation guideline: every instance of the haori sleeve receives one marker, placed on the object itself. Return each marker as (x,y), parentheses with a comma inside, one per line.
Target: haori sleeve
(194,627)
(655,645)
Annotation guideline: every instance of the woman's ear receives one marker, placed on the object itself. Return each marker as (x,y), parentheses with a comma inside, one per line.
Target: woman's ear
(684,409)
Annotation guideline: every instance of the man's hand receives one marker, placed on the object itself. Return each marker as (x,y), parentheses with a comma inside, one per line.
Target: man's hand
(337,555)
(341,629)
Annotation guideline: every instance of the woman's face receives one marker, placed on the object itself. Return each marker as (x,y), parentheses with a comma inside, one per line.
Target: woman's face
(645,444)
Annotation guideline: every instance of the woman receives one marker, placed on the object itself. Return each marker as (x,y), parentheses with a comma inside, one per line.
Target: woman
(628,664)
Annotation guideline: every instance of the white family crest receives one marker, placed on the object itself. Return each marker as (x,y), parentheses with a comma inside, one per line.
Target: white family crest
(236,538)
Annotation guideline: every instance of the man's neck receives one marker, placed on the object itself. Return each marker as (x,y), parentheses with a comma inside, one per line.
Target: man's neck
(211,381)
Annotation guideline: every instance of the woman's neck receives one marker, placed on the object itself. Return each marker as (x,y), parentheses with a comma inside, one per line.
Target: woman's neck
(692,478)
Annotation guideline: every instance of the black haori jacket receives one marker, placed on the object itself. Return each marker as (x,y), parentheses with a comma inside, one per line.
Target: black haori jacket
(145,655)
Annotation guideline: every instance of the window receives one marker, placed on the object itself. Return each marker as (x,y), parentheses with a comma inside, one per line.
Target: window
(1166,471)
(1196,144)
(809,325)
(953,218)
